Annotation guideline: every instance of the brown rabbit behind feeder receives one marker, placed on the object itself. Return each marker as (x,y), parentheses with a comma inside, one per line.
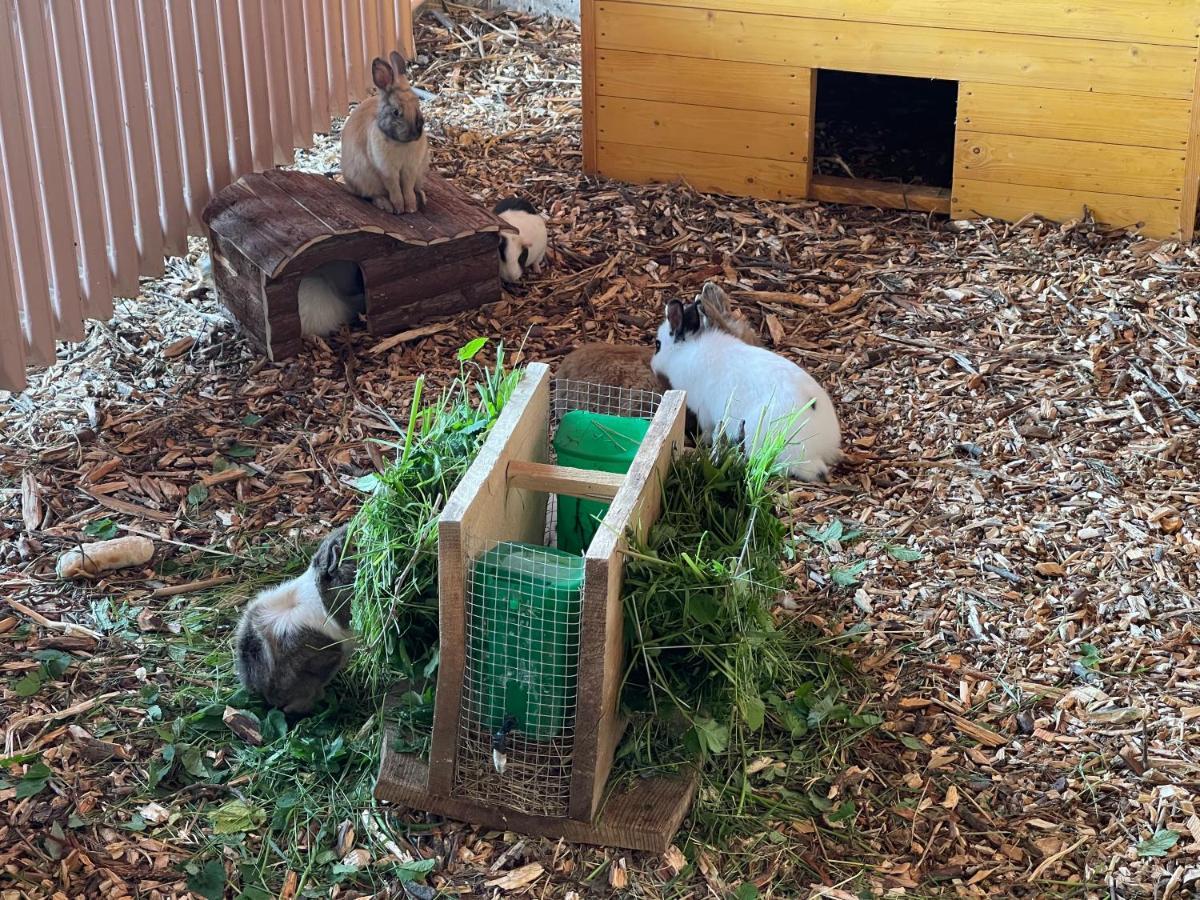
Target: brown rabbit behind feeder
(385,151)
(618,365)
(627,366)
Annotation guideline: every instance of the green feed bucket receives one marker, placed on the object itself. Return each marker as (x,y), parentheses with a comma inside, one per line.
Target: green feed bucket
(586,440)
(524,637)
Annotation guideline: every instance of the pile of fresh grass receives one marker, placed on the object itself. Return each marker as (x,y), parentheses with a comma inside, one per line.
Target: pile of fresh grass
(395,605)
(278,805)
(717,677)
(274,803)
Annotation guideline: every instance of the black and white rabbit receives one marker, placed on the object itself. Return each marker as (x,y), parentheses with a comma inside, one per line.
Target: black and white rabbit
(744,392)
(294,637)
(527,248)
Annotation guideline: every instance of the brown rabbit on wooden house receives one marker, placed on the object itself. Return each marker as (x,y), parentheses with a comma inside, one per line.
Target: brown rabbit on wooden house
(385,151)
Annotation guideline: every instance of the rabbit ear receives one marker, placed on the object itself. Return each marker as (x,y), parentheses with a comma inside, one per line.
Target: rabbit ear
(382,74)
(691,317)
(712,297)
(398,63)
(328,557)
(675,316)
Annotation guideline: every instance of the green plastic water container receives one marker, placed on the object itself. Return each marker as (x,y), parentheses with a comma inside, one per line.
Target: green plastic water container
(586,440)
(524,637)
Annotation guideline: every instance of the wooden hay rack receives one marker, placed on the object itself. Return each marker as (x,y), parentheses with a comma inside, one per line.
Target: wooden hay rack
(504,498)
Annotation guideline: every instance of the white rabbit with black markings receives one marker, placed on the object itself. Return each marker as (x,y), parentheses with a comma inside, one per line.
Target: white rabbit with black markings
(527,248)
(745,392)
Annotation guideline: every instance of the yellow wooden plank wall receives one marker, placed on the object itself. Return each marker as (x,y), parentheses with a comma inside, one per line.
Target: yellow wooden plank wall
(1148,21)
(1074,115)
(1150,70)
(1013,201)
(1062,103)
(727,126)
(1121,157)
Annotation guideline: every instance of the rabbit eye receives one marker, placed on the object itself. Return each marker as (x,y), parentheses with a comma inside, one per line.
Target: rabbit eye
(657,345)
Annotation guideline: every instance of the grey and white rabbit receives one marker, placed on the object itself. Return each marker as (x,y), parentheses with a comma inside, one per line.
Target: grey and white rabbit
(527,248)
(329,297)
(744,392)
(385,150)
(294,637)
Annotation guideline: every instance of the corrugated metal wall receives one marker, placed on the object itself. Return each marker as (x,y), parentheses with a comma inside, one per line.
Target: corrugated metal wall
(119,119)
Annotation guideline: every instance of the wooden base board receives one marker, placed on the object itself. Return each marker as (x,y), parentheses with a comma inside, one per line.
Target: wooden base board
(882,194)
(645,816)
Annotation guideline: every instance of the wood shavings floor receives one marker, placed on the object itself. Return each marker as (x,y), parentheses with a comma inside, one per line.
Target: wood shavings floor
(1020,406)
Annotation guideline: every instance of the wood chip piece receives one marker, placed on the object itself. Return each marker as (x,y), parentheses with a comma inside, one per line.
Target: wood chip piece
(517,878)
(245,727)
(985,736)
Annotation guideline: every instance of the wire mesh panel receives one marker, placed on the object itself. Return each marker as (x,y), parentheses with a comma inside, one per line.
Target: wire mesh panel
(517,728)
(606,399)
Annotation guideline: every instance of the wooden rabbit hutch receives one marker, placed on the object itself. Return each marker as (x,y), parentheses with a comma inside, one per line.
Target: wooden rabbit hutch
(555,781)
(1061,106)
(268,230)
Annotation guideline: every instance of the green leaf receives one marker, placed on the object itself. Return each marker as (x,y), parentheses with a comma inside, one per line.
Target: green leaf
(713,736)
(34,781)
(274,726)
(703,608)
(197,494)
(251,420)
(30,684)
(747,890)
(904,554)
(754,711)
(415,870)
(54,662)
(193,762)
(1158,844)
(865,720)
(19,759)
(208,882)
(913,743)
(846,576)
(136,823)
(241,451)
(843,813)
(368,484)
(235,817)
(470,350)
(1089,656)
(105,529)
(826,709)
(830,534)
